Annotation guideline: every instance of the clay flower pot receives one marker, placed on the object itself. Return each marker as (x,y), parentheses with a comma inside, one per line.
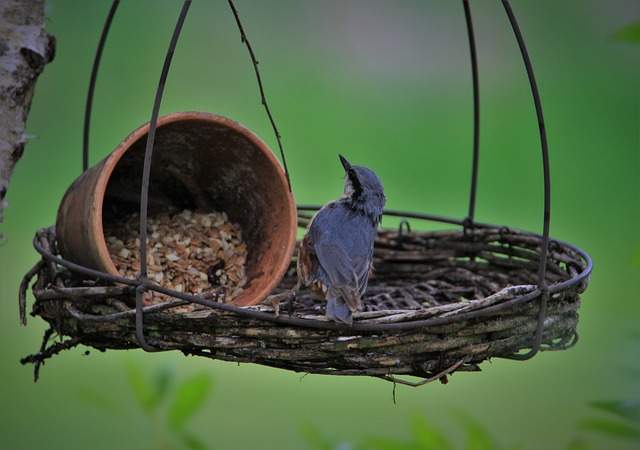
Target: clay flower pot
(200,161)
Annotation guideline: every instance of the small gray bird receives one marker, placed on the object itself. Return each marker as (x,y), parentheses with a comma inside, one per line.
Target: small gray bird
(335,256)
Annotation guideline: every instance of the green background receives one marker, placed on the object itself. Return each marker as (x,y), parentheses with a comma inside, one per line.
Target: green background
(388,85)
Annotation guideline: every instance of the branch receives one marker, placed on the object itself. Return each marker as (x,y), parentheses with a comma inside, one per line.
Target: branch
(27,48)
(37,359)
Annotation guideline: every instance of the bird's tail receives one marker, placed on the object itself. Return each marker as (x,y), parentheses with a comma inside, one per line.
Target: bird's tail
(339,311)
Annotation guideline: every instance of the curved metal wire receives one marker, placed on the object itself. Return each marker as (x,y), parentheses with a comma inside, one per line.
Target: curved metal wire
(92,84)
(146,171)
(476,116)
(402,214)
(542,284)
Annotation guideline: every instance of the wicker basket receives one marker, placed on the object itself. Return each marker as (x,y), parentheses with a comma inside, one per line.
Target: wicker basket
(439,302)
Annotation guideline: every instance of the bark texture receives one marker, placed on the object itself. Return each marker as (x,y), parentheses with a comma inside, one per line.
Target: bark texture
(25,48)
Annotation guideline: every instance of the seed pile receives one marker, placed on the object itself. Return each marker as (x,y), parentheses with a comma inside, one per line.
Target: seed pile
(189,252)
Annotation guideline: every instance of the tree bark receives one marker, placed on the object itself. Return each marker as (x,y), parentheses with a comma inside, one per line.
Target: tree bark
(25,48)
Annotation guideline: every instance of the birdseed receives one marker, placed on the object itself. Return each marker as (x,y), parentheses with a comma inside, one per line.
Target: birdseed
(191,252)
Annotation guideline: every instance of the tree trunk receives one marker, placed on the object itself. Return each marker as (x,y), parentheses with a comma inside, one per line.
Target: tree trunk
(25,48)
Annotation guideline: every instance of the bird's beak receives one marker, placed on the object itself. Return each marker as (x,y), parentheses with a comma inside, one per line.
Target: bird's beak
(346,164)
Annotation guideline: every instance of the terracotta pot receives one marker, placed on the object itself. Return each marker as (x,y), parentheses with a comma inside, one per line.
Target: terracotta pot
(200,161)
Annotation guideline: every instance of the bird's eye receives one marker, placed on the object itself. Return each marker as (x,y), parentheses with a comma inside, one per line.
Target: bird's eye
(352,173)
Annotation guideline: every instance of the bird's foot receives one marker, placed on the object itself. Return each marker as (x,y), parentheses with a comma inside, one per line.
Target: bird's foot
(367,306)
(286,297)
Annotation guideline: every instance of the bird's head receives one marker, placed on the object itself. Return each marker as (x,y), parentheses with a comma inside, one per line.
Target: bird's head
(363,189)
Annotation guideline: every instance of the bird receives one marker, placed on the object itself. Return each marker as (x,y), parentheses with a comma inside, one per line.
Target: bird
(335,258)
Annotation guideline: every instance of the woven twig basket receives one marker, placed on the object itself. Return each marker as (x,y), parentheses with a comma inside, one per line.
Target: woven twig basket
(439,302)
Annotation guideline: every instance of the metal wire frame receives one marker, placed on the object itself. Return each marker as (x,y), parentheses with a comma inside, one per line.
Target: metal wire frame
(542,284)
(92,84)
(476,116)
(143,284)
(146,172)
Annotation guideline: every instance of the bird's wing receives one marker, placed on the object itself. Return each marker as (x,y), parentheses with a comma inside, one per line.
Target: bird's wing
(343,279)
(308,264)
(344,253)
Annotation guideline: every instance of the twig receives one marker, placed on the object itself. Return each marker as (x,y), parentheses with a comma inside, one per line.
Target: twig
(245,41)
(445,372)
(24,285)
(79,315)
(47,240)
(53,292)
(37,359)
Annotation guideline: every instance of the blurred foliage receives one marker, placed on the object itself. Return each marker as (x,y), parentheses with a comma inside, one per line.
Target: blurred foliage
(630,33)
(622,422)
(165,404)
(426,436)
(625,423)
(635,259)
(629,410)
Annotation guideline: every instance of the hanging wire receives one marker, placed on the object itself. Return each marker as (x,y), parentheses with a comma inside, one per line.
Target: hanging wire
(146,171)
(263,98)
(468,223)
(92,84)
(542,284)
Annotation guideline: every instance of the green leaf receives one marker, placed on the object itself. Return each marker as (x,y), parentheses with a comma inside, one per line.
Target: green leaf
(478,438)
(98,399)
(192,442)
(428,437)
(629,410)
(612,428)
(377,443)
(635,258)
(190,396)
(314,438)
(629,33)
(141,386)
(161,382)
(577,445)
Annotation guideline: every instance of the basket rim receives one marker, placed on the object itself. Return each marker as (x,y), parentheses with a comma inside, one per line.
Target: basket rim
(431,341)
(258,314)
